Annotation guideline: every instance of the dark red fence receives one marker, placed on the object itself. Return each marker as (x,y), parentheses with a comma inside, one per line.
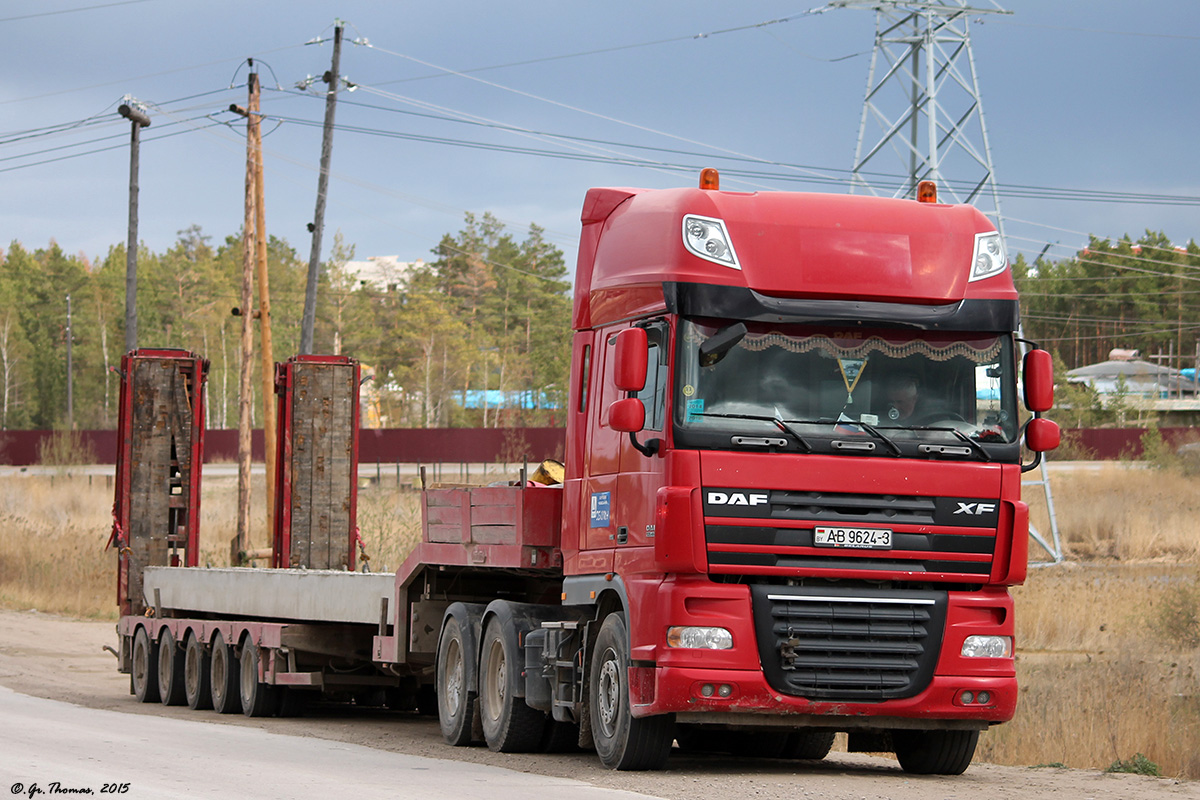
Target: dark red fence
(388,446)
(490,445)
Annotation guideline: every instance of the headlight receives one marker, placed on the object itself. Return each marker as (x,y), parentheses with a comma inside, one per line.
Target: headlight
(699,638)
(987,647)
(990,258)
(707,238)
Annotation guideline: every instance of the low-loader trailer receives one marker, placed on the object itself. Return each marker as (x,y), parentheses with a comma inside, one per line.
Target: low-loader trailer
(789,506)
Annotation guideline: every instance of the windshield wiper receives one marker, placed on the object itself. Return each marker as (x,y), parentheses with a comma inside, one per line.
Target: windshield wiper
(776,421)
(895,448)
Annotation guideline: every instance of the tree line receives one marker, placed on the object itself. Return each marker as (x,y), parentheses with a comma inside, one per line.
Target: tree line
(478,336)
(1135,295)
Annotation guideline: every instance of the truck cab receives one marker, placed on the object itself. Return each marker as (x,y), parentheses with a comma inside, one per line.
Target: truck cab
(794,462)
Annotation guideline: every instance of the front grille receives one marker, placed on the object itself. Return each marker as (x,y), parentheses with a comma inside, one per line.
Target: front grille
(930,535)
(848,644)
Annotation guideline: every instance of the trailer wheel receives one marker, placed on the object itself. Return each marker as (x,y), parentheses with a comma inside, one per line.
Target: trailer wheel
(170,670)
(811,745)
(509,726)
(456,703)
(622,742)
(224,677)
(144,673)
(258,699)
(197,676)
(935,752)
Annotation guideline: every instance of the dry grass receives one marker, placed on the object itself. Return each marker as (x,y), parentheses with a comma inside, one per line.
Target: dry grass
(1109,642)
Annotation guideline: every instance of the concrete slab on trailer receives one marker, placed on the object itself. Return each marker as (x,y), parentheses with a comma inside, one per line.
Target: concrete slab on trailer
(285,594)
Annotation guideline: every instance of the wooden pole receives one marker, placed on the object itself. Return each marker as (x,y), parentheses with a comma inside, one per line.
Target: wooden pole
(241,542)
(139,120)
(264,309)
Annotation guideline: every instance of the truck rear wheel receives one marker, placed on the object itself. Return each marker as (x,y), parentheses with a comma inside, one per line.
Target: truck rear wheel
(170,670)
(196,674)
(935,752)
(224,677)
(258,699)
(622,742)
(509,726)
(144,672)
(456,703)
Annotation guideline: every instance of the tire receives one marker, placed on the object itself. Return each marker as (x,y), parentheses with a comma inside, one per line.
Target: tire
(170,670)
(258,699)
(144,672)
(622,742)
(935,752)
(509,726)
(457,704)
(224,677)
(197,674)
(812,745)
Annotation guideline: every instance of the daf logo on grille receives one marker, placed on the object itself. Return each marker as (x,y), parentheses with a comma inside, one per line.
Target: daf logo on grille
(738,499)
(975,509)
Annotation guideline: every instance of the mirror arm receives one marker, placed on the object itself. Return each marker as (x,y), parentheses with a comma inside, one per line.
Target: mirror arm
(1037,457)
(649,449)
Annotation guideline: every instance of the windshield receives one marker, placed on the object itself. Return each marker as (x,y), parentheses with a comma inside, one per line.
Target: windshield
(898,386)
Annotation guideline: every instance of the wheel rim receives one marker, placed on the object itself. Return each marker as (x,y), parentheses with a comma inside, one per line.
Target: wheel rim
(141,661)
(165,668)
(454,679)
(495,680)
(191,669)
(608,692)
(219,668)
(249,676)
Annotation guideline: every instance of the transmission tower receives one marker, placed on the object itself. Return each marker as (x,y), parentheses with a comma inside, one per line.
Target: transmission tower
(923,104)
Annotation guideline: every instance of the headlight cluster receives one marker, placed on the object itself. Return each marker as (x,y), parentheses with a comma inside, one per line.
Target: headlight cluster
(990,258)
(707,238)
(987,647)
(694,638)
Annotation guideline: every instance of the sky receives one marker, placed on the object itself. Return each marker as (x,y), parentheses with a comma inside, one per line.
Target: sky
(517,108)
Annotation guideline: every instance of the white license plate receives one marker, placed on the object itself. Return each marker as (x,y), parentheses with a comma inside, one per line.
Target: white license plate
(861,538)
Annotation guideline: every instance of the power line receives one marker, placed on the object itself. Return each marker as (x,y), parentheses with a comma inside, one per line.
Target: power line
(73,10)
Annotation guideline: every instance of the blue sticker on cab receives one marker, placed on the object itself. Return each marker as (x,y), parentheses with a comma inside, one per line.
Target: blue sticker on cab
(694,406)
(601,509)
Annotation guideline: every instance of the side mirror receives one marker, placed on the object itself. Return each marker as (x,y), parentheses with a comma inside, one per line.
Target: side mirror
(629,369)
(627,416)
(1039,381)
(1042,435)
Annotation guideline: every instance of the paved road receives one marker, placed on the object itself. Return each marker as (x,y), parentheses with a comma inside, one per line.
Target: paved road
(49,749)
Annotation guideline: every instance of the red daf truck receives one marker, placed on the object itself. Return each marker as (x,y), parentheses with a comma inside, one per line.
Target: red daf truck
(790,506)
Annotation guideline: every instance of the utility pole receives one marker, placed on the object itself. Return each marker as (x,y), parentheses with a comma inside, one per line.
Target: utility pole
(241,542)
(70,373)
(264,316)
(254,154)
(132,112)
(332,79)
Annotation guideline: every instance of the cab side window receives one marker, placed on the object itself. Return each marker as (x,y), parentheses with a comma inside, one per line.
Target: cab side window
(654,393)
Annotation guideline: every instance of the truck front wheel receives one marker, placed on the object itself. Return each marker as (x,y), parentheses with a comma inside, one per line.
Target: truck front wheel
(935,752)
(509,725)
(456,703)
(622,742)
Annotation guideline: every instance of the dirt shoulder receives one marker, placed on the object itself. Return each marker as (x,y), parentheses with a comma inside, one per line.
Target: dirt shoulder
(63,659)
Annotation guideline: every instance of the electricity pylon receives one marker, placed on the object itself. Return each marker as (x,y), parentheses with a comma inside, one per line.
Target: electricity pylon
(923,104)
